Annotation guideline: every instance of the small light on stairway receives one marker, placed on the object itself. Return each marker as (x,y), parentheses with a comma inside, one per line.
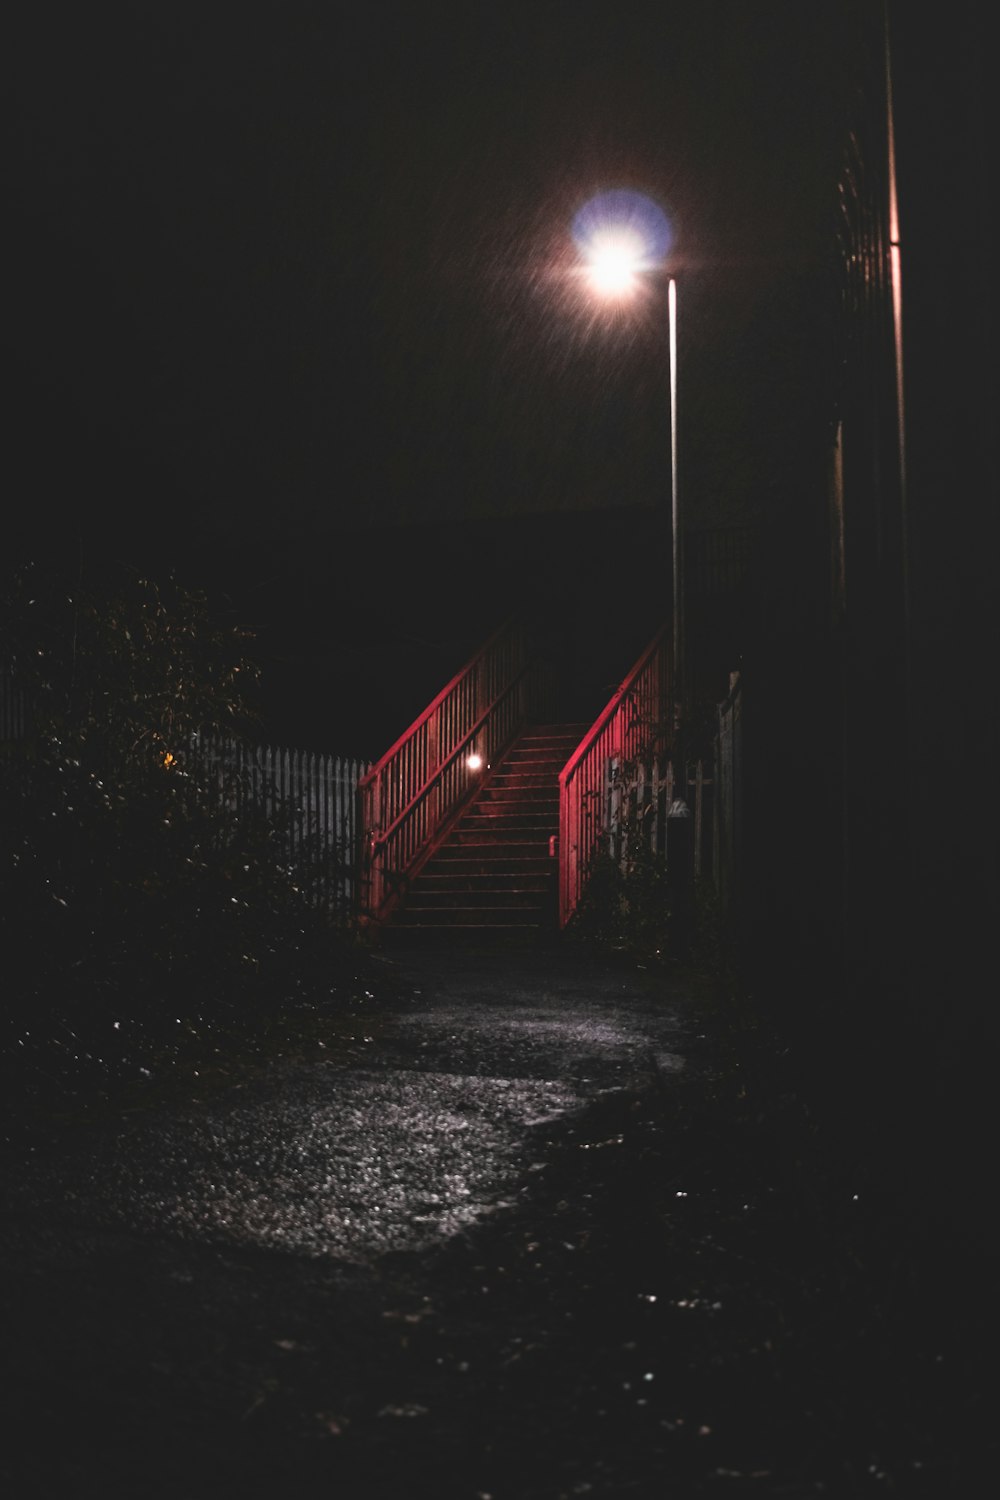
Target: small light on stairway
(475,762)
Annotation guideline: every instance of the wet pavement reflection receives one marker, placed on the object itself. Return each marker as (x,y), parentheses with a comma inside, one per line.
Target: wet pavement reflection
(354,1161)
(270,1280)
(499,1243)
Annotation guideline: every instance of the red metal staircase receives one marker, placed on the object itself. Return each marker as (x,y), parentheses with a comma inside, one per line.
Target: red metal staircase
(446,845)
(496,868)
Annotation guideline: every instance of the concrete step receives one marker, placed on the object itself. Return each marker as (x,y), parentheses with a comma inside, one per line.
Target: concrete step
(575,728)
(516,786)
(474,873)
(509,857)
(510,809)
(495,841)
(426,896)
(499,938)
(502,813)
(526,781)
(539,757)
(544,756)
(547,749)
(500,831)
(413,915)
(547,743)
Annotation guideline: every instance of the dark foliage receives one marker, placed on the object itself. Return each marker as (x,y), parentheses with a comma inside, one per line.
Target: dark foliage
(630,904)
(140,890)
(626,906)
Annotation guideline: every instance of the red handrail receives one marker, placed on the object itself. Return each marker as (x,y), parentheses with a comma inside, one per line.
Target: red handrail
(418,787)
(436,702)
(631,723)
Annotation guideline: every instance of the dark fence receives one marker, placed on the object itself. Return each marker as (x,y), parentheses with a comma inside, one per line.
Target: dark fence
(14,715)
(728,799)
(314,796)
(640,793)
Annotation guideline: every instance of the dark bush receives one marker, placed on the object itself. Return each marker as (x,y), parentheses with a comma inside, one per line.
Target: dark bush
(138,885)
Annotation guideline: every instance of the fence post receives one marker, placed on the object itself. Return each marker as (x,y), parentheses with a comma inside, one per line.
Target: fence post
(680,874)
(615,841)
(699,792)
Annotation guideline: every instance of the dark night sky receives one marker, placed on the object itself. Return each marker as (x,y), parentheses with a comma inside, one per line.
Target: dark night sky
(292,296)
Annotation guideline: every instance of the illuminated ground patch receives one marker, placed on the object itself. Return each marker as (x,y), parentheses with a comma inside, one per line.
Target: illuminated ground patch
(346,1164)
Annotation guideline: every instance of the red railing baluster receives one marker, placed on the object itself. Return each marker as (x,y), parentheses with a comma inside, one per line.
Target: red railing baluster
(413,794)
(634,719)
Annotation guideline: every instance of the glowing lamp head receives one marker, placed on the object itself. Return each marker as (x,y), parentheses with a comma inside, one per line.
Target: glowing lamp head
(475,762)
(620,234)
(614,260)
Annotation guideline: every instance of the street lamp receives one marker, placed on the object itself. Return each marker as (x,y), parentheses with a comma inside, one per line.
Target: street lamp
(623,236)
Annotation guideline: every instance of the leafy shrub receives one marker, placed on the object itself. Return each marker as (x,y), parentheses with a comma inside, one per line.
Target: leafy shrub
(135,878)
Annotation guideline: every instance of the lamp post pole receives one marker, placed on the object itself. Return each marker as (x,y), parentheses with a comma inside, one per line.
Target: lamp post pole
(677,547)
(621,236)
(679,823)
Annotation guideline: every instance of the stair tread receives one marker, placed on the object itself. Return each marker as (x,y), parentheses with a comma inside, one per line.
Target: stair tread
(461,854)
(484,879)
(462,850)
(508,910)
(465,927)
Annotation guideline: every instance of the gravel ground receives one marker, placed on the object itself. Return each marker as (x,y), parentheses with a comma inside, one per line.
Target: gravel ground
(219,1294)
(517,1232)
(352,1162)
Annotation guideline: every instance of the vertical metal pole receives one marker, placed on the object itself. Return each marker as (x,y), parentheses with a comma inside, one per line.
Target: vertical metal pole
(678,685)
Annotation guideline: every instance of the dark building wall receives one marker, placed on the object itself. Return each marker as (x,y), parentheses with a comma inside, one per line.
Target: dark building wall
(945,177)
(870,727)
(946,172)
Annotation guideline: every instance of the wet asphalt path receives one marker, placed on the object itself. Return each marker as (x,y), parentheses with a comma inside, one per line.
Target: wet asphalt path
(330,1280)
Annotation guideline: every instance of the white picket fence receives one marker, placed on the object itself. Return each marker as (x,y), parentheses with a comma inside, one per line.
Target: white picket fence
(317,795)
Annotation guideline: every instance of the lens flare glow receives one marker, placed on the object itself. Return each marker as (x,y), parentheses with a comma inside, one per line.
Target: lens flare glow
(475,762)
(620,234)
(614,259)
